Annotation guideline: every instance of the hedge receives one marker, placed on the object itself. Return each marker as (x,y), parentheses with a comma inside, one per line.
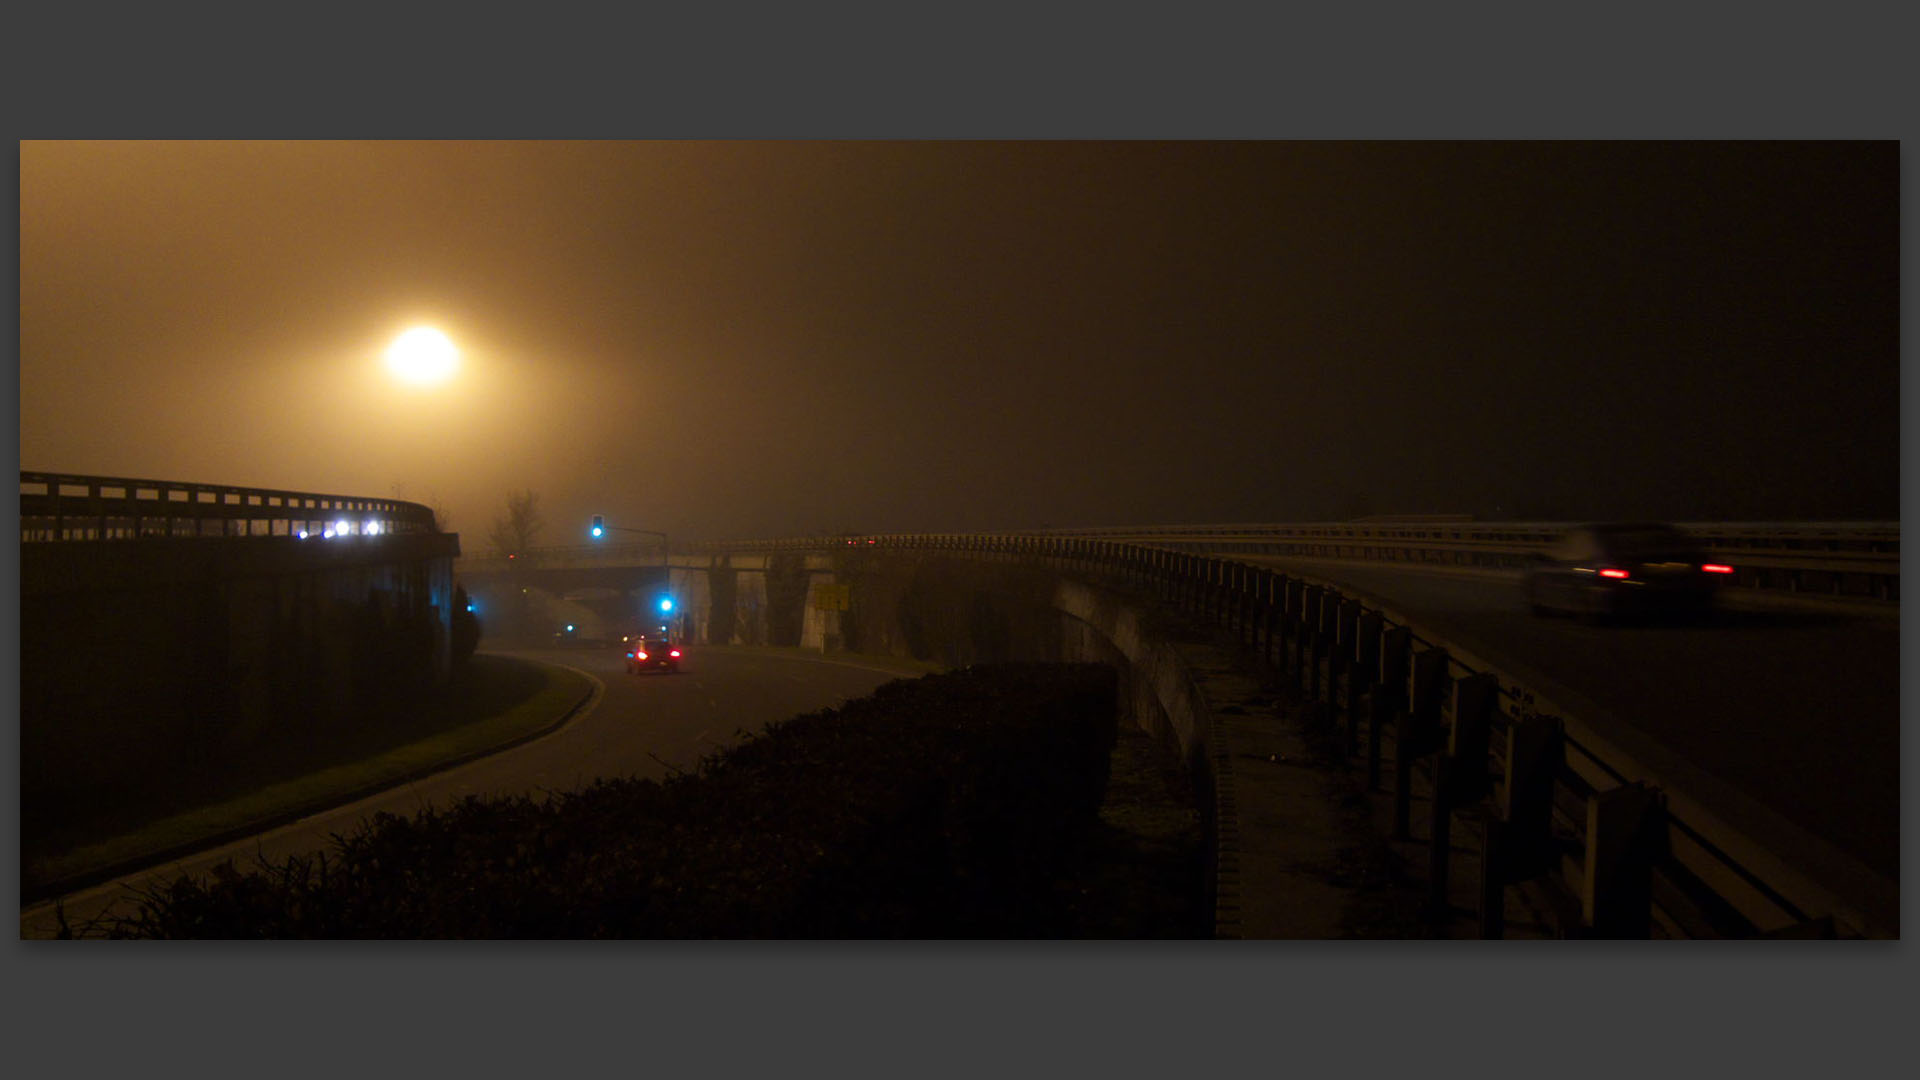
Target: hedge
(939,807)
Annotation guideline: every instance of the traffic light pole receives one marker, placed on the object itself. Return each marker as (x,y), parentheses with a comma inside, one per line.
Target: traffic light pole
(600,526)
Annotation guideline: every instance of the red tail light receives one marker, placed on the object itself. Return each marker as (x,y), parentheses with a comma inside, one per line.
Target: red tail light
(640,656)
(1613,573)
(1716,568)
(675,654)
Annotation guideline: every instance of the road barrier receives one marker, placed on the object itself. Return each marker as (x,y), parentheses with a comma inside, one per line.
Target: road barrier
(65,507)
(1841,559)
(1550,803)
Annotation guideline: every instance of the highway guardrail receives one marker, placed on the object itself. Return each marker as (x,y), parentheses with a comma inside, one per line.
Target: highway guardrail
(1552,800)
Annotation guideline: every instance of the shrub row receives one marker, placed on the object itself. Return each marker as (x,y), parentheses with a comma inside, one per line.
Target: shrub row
(938,807)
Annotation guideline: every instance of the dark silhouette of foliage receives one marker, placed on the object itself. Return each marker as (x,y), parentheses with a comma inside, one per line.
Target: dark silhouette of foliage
(940,807)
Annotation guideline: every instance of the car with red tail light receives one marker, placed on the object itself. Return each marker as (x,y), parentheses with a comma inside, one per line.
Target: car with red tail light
(1603,571)
(653,654)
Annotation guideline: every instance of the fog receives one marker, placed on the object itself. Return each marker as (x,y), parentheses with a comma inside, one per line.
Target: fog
(770,339)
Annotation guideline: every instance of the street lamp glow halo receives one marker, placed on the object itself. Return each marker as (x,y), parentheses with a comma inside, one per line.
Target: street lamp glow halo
(423,356)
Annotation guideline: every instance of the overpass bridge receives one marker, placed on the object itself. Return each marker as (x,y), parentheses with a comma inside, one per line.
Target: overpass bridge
(1742,775)
(1768,737)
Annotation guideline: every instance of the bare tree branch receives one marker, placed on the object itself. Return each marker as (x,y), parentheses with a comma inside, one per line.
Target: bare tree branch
(518,530)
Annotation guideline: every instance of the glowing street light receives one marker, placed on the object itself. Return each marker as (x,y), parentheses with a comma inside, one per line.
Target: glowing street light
(423,355)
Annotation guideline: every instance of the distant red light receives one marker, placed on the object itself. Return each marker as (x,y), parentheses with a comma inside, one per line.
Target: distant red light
(639,656)
(1613,573)
(675,654)
(1716,568)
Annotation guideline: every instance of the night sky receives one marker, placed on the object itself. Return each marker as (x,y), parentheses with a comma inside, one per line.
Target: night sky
(772,339)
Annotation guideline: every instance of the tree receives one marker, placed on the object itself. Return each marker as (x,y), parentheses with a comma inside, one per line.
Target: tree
(442,520)
(516,532)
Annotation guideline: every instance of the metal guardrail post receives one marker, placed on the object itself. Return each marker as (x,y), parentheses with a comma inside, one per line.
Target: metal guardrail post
(1389,697)
(1626,836)
(1217,606)
(1417,734)
(1366,679)
(1474,697)
(1250,606)
(1459,777)
(1277,621)
(1291,624)
(1324,652)
(1519,842)
(1229,595)
(1243,601)
(1310,600)
(1345,653)
(1269,595)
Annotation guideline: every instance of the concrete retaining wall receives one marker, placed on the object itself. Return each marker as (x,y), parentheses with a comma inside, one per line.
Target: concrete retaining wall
(147,655)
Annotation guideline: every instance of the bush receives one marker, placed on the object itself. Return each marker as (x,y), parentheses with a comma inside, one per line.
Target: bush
(937,807)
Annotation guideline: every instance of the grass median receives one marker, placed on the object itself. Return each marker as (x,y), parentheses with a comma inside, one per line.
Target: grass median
(499,700)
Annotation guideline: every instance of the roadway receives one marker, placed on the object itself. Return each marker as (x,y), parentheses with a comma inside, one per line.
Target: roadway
(1765,714)
(638,725)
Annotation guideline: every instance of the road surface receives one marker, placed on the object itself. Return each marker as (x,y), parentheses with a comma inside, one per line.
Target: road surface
(1795,711)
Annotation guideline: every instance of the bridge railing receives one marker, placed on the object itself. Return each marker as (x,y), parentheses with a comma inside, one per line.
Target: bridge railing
(1841,559)
(1551,799)
(1852,559)
(66,507)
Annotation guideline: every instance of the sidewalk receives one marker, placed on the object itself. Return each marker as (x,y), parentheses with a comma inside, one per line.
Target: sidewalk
(1304,849)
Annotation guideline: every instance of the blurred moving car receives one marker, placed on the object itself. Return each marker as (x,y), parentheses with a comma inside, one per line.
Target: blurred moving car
(652,654)
(1625,568)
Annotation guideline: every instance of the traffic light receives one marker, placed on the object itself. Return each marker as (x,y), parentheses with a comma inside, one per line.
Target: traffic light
(599,526)
(666,603)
